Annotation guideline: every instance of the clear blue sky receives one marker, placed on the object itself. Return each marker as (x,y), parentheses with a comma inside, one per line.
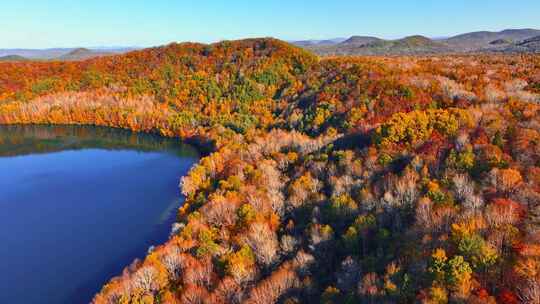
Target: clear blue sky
(69,23)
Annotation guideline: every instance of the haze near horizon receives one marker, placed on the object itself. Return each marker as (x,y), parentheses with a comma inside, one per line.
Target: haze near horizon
(58,23)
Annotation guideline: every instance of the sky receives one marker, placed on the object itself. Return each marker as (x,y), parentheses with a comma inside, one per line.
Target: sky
(69,23)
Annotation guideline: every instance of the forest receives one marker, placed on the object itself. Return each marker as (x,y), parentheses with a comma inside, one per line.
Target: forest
(408,179)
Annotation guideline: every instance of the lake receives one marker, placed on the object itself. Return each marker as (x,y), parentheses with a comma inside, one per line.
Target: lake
(78,204)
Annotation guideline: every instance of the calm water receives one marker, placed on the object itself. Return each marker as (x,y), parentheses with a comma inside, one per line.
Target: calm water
(80,203)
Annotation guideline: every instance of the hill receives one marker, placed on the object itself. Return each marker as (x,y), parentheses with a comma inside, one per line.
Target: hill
(333,180)
(360,45)
(66,55)
(306,43)
(57,53)
(41,54)
(501,42)
(531,44)
(465,43)
(360,40)
(144,72)
(412,45)
(477,41)
(13,58)
(82,54)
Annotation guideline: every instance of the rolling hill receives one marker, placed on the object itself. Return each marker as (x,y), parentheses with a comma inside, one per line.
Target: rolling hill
(64,53)
(411,45)
(42,54)
(477,41)
(360,40)
(13,58)
(307,43)
(365,45)
(531,45)
(512,40)
(82,54)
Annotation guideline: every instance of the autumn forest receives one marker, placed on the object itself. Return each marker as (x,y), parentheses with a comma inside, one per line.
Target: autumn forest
(376,179)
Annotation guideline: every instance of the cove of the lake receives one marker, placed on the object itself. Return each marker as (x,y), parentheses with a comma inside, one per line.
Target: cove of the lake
(78,204)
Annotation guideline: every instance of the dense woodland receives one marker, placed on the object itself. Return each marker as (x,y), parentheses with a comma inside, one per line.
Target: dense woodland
(336,180)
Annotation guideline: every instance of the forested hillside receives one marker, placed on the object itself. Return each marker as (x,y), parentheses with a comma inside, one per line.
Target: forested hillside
(337,180)
(515,41)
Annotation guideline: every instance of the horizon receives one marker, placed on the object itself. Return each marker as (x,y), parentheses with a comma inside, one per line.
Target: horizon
(60,24)
(136,47)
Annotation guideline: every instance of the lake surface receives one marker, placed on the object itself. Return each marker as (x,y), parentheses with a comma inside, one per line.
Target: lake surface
(78,204)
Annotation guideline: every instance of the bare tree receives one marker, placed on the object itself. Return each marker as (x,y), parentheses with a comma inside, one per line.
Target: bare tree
(145,279)
(227,291)
(263,242)
(173,260)
(198,272)
(194,294)
(270,289)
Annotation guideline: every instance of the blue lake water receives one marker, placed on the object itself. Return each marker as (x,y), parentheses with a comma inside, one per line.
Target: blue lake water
(78,204)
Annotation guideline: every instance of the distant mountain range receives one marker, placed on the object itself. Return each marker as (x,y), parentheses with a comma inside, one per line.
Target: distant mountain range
(307,43)
(82,53)
(507,41)
(13,58)
(59,53)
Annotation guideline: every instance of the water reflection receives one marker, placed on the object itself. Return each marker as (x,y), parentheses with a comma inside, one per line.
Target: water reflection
(32,139)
